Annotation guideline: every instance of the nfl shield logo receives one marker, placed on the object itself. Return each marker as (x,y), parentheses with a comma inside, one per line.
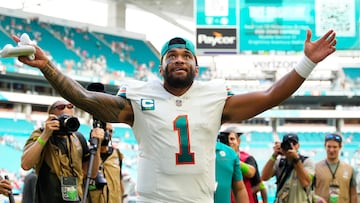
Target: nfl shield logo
(178,103)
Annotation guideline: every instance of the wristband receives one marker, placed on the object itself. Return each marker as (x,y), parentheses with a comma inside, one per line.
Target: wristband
(244,168)
(261,186)
(41,141)
(304,67)
(316,199)
(272,158)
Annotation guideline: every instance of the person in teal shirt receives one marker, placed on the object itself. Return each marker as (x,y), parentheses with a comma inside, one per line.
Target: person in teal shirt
(228,176)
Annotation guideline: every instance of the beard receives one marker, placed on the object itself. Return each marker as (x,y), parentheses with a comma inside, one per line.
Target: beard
(177,82)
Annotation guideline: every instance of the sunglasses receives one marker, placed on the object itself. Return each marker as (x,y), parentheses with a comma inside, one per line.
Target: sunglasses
(62,106)
(333,137)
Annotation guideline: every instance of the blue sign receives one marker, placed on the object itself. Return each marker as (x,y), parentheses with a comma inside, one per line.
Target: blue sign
(282,25)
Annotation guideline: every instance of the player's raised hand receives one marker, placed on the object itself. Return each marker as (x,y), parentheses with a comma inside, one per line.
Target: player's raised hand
(318,50)
(40,58)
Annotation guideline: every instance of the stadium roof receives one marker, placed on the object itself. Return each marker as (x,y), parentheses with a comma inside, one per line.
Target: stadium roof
(162,14)
(169,10)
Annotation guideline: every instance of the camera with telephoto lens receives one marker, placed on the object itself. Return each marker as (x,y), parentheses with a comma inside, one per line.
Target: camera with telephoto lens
(223,137)
(68,125)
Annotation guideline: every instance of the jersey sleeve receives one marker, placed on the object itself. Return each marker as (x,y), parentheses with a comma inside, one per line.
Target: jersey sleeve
(237,172)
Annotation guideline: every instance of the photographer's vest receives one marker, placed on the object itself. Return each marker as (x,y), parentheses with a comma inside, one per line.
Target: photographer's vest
(289,188)
(323,177)
(59,163)
(112,192)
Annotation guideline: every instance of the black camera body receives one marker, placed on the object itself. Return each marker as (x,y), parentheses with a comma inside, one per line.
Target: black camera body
(286,145)
(101,124)
(223,137)
(68,125)
(100,180)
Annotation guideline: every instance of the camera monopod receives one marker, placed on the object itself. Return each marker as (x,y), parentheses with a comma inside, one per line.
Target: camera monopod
(92,149)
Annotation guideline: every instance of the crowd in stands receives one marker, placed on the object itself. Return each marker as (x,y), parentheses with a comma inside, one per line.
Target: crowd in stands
(99,57)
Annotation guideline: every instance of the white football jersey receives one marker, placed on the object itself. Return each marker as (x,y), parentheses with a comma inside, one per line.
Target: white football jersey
(176,137)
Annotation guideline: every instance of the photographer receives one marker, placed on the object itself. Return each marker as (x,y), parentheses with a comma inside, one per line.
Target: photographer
(60,155)
(107,186)
(294,172)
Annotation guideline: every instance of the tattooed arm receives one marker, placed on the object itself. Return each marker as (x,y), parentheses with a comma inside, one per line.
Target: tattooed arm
(108,108)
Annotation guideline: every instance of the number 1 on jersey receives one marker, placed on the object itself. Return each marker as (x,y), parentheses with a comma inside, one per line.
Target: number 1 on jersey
(184,156)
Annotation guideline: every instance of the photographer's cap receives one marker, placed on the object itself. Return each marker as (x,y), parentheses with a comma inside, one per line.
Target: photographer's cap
(233,129)
(291,137)
(177,42)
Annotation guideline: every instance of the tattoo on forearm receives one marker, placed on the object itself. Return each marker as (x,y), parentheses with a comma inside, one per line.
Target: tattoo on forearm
(49,70)
(96,104)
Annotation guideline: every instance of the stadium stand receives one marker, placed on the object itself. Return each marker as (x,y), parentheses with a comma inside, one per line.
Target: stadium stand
(82,49)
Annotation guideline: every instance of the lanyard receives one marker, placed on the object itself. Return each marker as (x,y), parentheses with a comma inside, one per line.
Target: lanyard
(333,173)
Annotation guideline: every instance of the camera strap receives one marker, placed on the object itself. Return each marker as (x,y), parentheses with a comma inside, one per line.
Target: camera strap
(121,157)
(70,157)
(67,149)
(285,173)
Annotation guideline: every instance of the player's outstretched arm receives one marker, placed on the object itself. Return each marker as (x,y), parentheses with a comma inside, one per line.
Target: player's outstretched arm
(106,107)
(245,106)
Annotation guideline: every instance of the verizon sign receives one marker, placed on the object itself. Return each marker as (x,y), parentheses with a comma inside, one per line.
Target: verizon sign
(216,40)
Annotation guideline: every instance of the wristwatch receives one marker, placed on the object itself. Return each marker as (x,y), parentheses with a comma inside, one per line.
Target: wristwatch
(296,160)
